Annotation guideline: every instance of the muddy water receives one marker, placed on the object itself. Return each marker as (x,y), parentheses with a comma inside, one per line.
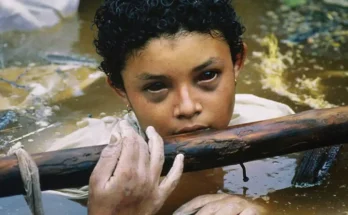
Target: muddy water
(308,80)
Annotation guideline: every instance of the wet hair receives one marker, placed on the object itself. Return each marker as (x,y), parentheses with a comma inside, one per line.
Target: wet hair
(125,27)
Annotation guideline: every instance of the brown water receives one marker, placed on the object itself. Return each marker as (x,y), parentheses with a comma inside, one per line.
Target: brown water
(270,187)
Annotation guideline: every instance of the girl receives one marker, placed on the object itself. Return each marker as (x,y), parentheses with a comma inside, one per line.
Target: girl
(175,64)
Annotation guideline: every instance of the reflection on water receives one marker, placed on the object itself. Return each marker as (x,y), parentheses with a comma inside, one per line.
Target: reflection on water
(291,74)
(53,205)
(265,176)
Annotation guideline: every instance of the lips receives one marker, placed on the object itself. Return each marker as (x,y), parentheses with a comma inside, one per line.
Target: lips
(191,129)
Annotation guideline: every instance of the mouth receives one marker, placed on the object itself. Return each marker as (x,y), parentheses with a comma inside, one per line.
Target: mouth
(191,129)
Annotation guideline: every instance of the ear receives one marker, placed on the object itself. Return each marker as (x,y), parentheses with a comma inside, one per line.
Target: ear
(120,92)
(240,59)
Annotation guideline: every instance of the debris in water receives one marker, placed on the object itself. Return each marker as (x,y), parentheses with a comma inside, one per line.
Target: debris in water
(35,86)
(265,198)
(42,123)
(7,118)
(294,3)
(333,74)
(343,3)
(321,26)
(273,66)
(59,58)
(14,84)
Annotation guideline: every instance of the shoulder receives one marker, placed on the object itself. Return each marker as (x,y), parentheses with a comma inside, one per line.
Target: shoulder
(94,131)
(89,132)
(250,108)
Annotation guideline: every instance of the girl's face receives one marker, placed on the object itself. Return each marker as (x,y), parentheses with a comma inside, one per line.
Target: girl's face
(182,84)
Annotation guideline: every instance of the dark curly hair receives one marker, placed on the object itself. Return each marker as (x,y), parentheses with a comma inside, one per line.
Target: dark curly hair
(125,26)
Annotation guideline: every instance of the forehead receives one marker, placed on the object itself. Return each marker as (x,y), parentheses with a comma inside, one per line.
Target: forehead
(177,53)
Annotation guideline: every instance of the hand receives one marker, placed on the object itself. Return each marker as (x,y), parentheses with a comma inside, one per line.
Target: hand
(219,204)
(126,179)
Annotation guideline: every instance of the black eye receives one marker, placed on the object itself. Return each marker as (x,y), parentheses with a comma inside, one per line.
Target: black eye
(155,87)
(207,76)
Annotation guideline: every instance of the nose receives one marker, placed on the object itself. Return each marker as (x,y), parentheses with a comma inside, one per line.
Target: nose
(186,107)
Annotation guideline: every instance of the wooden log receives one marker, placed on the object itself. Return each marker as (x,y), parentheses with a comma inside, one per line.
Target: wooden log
(202,149)
(314,166)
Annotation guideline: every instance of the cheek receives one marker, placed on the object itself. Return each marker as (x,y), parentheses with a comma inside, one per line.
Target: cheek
(156,115)
(220,106)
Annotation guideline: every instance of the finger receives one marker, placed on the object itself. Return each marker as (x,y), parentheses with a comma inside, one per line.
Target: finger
(209,209)
(227,209)
(195,204)
(156,153)
(107,162)
(144,158)
(172,179)
(130,150)
(250,211)
(225,206)
(143,168)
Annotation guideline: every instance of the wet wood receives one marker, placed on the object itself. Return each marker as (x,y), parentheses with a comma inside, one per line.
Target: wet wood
(203,150)
(314,166)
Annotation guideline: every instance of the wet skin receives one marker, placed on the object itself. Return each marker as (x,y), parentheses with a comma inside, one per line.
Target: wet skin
(182,83)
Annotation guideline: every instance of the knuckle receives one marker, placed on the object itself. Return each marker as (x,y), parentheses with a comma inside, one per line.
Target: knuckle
(126,176)
(126,137)
(127,133)
(175,183)
(232,206)
(127,191)
(142,180)
(157,203)
(253,211)
(237,200)
(132,137)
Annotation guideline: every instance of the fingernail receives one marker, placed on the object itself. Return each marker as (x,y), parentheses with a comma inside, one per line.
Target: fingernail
(113,139)
(150,129)
(181,156)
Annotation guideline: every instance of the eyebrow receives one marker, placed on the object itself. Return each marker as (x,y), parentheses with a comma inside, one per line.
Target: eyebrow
(148,76)
(205,64)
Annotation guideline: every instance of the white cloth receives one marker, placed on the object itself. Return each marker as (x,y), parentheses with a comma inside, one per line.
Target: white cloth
(248,108)
(34,14)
